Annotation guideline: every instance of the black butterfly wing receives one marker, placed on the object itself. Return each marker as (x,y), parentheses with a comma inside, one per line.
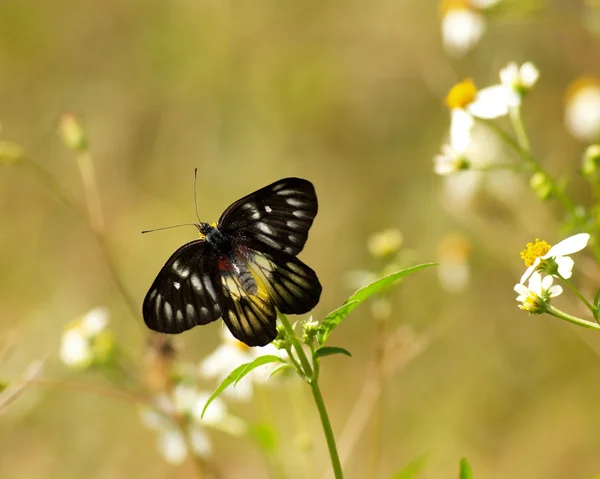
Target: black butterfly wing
(278,216)
(252,318)
(186,291)
(292,286)
(192,290)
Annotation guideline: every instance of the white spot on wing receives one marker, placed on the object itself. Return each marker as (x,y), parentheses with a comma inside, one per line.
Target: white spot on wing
(209,287)
(196,283)
(152,294)
(295,202)
(264,228)
(168,311)
(176,285)
(280,186)
(179,316)
(287,192)
(190,311)
(204,311)
(300,214)
(268,209)
(294,224)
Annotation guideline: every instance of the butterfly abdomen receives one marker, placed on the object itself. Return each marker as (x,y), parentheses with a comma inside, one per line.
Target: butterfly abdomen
(247,281)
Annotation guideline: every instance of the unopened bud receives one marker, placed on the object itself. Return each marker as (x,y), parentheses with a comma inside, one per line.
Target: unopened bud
(541,185)
(72,134)
(591,160)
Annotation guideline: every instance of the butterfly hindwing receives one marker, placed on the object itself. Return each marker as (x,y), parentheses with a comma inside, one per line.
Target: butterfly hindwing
(186,291)
(292,286)
(250,318)
(278,215)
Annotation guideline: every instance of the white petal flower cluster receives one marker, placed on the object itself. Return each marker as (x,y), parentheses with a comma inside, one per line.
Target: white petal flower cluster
(463,24)
(535,297)
(582,109)
(555,261)
(231,354)
(186,404)
(78,347)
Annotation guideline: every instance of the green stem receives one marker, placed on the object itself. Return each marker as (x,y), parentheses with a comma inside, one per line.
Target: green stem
(557,313)
(311,376)
(579,295)
(331,445)
(306,367)
(54,186)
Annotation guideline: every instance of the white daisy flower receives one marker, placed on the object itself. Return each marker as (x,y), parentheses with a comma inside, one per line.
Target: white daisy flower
(582,109)
(450,161)
(518,80)
(535,297)
(75,350)
(462,28)
(80,346)
(554,260)
(463,24)
(231,354)
(466,103)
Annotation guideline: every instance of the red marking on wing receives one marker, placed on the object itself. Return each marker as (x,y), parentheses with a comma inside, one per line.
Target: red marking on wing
(224,264)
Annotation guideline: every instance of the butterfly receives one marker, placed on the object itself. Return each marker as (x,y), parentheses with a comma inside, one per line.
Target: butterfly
(242,269)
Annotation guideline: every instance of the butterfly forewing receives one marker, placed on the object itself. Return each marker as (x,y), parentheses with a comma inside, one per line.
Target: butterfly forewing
(278,215)
(185,292)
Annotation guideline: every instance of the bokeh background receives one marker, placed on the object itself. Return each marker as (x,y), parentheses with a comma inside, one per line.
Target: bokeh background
(348,94)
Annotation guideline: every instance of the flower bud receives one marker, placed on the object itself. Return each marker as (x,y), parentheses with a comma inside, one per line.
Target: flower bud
(72,134)
(541,185)
(591,160)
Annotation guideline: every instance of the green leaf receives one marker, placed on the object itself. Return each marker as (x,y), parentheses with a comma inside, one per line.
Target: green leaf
(265,436)
(280,369)
(465,470)
(334,318)
(238,373)
(412,469)
(329,350)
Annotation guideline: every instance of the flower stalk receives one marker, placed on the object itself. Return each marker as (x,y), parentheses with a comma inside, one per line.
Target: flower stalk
(311,376)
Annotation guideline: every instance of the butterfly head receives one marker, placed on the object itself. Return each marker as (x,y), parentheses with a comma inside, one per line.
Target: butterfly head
(204,228)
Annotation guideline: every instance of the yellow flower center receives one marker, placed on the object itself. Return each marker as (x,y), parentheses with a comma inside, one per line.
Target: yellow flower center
(581,83)
(447,5)
(533,251)
(461,94)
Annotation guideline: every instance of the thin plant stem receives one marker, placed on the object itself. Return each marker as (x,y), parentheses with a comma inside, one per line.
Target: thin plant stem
(90,187)
(312,378)
(306,367)
(331,445)
(579,295)
(557,313)
(299,403)
(50,182)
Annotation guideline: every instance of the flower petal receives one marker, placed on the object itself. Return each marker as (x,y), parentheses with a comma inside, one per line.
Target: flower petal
(555,291)
(491,102)
(529,271)
(461,124)
(567,246)
(565,266)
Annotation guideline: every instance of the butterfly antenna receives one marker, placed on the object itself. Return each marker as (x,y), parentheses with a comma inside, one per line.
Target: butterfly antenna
(195,202)
(169,227)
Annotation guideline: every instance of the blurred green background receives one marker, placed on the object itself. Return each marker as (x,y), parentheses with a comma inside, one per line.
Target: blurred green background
(348,94)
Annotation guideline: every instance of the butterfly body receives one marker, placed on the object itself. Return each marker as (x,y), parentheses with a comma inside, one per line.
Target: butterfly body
(242,269)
